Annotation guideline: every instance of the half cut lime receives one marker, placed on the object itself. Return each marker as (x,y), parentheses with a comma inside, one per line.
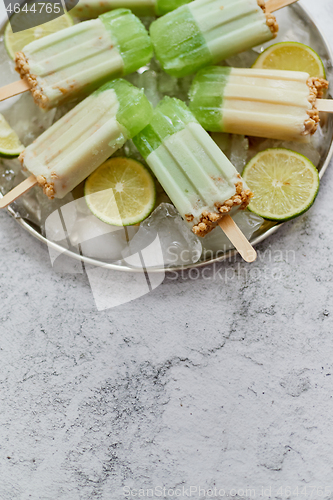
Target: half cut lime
(292,56)
(285,184)
(121,192)
(10,145)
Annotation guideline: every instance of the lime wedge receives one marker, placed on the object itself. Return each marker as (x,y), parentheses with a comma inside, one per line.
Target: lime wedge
(10,145)
(120,192)
(14,42)
(293,56)
(285,184)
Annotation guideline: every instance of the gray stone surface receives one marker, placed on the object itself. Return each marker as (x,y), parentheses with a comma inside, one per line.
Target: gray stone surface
(220,381)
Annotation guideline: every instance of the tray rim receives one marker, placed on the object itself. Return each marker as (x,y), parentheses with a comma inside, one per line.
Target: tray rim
(228,255)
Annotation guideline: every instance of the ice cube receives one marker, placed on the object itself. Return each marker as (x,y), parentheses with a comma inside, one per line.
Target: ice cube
(292,28)
(27,119)
(223,141)
(99,240)
(7,75)
(168,85)
(9,169)
(242,60)
(238,154)
(216,242)
(309,149)
(235,147)
(7,66)
(47,206)
(184,88)
(148,80)
(180,247)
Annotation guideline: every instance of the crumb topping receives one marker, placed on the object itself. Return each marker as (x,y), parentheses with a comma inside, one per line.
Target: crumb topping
(22,67)
(316,88)
(21,157)
(209,220)
(270,18)
(48,187)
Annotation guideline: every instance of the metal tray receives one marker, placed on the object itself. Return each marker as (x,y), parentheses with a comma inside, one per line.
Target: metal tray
(319,43)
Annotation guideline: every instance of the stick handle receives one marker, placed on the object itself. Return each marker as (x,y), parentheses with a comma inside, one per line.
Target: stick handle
(13,89)
(325,105)
(274,5)
(237,238)
(18,191)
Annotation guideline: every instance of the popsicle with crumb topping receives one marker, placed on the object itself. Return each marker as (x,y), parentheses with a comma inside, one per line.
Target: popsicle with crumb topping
(258,102)
(205,32)
(197,176)
(90,9)
(79,59)
(66,153)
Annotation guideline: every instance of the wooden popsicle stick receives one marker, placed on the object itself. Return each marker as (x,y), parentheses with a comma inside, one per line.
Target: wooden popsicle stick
(237,238)
(325,105)
(274,5)
(18,191)
(13,89)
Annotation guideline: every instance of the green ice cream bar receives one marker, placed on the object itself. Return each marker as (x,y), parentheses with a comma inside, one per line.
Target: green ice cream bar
(259,102)
(197,176)
(205,32)
(77,60)
(162,7)
(131,38)
(90,9)
(70,150)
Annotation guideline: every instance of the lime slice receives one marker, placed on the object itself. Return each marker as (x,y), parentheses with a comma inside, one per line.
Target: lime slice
(10,145)
(293,56)
(14,42)
(120,192)
(285,184)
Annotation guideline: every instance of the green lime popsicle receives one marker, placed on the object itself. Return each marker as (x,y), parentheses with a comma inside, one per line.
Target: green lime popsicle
(90,9)
(205,32)
(199,179)
(70,150)
(265,103)
(79,59)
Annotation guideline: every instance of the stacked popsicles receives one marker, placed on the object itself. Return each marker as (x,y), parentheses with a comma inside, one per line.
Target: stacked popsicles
(195,173)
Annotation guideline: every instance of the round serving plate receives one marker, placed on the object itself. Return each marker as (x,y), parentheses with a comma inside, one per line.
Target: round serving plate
(302,20)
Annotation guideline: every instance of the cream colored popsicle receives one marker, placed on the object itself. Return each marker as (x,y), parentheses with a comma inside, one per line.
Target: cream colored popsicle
(205,32)
(70,150)
(264,103)
(79,59)
(200,180)
(90,9)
